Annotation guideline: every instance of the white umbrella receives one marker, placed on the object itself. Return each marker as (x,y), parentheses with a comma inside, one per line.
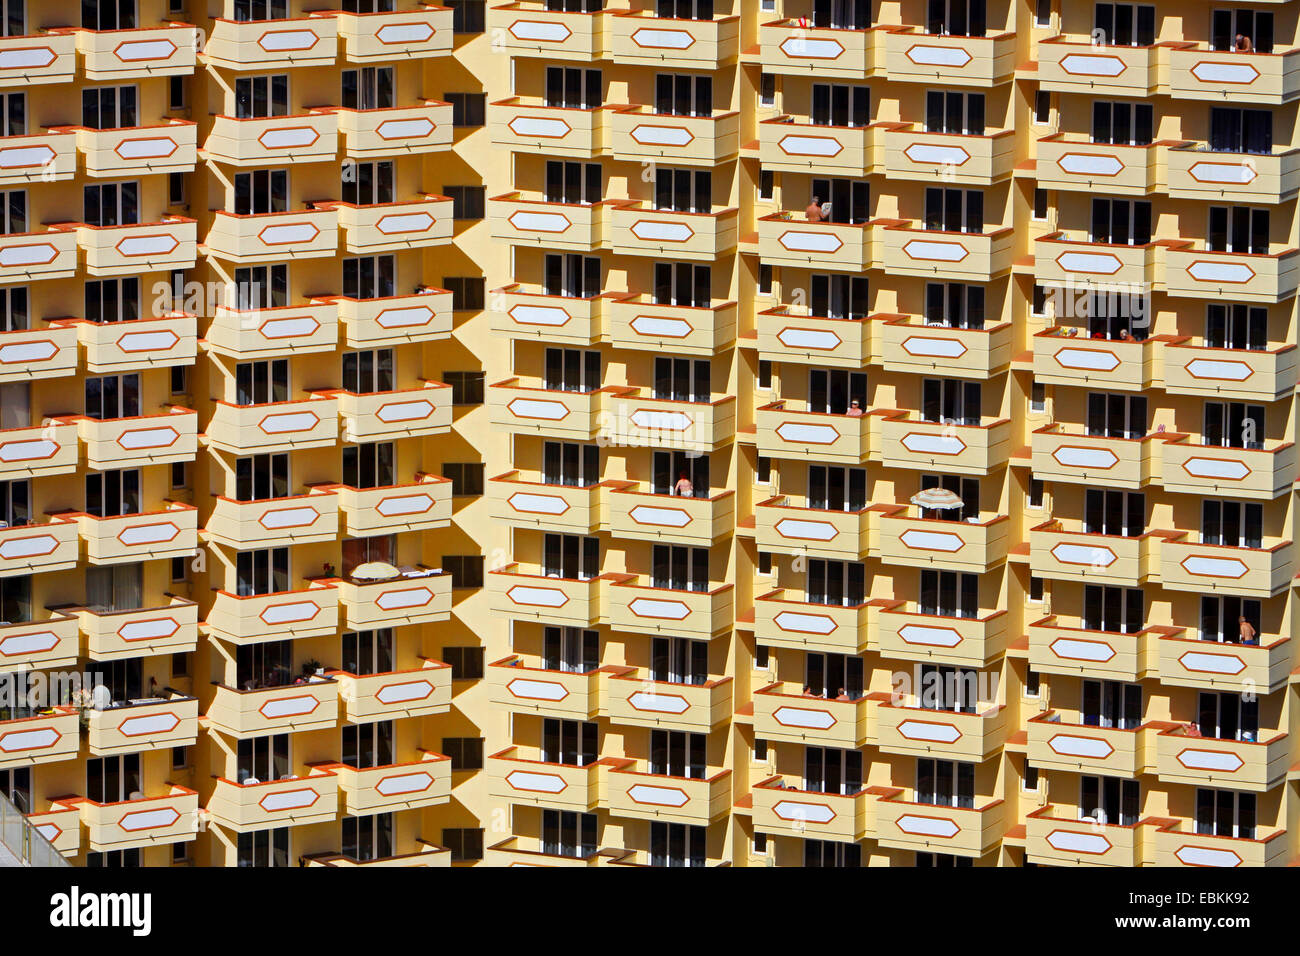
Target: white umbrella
(374,571)
(937,498)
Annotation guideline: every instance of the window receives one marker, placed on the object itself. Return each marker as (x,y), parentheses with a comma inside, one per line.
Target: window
(264,571)
(766,184)
(1253,25)
(16,599)
(263,848)
(466,387)
(842,15)
(677,844)
(668,468)
(368,652)
(13,113)
(953,112)
(1117,416)
(677,660)
(366,746)
(367,838)
(16,501)
(1221,619)
(1232,524)
(570,556)
(767,89)
(1237,229)
(246,10)
(466,570)
(1235,130)
(682,379)
(177,98)
(266,664)
(683,190)
(180,474)
(565,833)
(960,18)
(836,582)
(113,779)
(115,587)
(1043,107)
(1225,813)
(945,783)
(113,396)
(1115,609)
(683,283)
(259,383)
(834,676)
(179,569)
(13,211)
(1114,512)
(16,785)
(261,477)
(572,275)
(572,88)
(765,274)
(1036,493)
(1236,326)
(368,184)
(1109,800)
(679,568)
(954,210)
(467,16)
(846,200)
(261,287)
(465,843)
(467,293)
(763,470)
(1032,685)
(1043,13)
(949,593)
(466,753)
(109,107)
(13,23)
(1035,590)
(112,300)
(368,371)
(180,664)
(466,662)
(111,204)
(569,463)
(261,191)
(1234,425)
(950,401)
(117,859)
(1111,704)
(683,94)
(108,15)
(1038,398)
(571,370)
(834,488)
(1124,124)
(1124,24)
(838,104)
(949,688)
(109,494)
(13,309)
(369,88)
(369,277)
(839,296)
(955,305)
(359,551)
(368,6)
(466,478)
(1229,716)
(569,182)
(176,189)
(467,109)
(1040,204)
(261,96)
(467,202)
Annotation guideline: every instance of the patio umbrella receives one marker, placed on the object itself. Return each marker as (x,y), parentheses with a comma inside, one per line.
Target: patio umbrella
(374,571)
(940,499)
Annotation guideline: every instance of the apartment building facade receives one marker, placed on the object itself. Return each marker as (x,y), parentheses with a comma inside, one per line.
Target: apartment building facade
(679,433)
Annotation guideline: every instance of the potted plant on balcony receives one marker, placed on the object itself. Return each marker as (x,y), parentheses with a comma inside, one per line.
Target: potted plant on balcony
(82,700)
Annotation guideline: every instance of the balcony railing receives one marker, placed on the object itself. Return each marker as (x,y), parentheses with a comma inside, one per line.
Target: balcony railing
(1074,162)
(419,596)
(1062,258)
(274,426)
(1250,572)
(640,515)
(977,545)
(783,621)
(42,157)
(637,701)
(913,56)
(273,522)
(1077,457)
(925,827)
(786,433)
(1059,840)
(404,413)
(1258,765)
(534,504)
(524,123)
(149,820)
(899,630)
(121,250)
(644,608)
(396,130)
(638,134)
(639,229)
(969,449)
(788,47)
(556,318)
(47,642)
(423,32)
(279,615)
(787,334)
(142,150)
(295,801)
(1061,359)
(273,44)
(171,721)
(531,595)
(44,254)
(528,219)
(170,628)
(46,449)
(38,59)
(167,49)
(396,320)
(283,330)
(138,343)
(781,713)
(1076,555)
(1069,64)
(912,730)
(783,528)
(1249,374)
(422,505)
(908,249)
(30,354)
(1185,661)
(288,708)
(45,737)
(634,322)
(519,776)
(1248,277)
(530,29)
(1176,847)
(40,547)
(782,809)
(1213,469)
(793,144)
(784,239)
(1196,73)
(274,236)
(570,695)
(1197,172)
(413,692)
(385,227)
(170,532)
(976,160)
(634,793)
(309,137)
(1060,645)
(425,782)
(638,38)
(1055,744)
(903,345)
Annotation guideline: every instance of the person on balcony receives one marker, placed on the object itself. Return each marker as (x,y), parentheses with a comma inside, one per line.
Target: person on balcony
(814,211)
(1246,631)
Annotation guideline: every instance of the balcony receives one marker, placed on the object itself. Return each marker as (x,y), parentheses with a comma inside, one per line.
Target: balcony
(140,151)
(926,828)
(527,219)
(274,236)
(785,240)
(794,145)
(1241,472)
(841,439)
(638,229)
(1197,172)
(422,505)
(1212,762)
(634,322)
(916,731)
(789,48)
(1065,841)
(274,426)
(281,615)
(782,809)
(787,334)
(1061,645)
(631,419)
(395,320)
(531,595)
(782,713)
(1061,552)
(569,695)
(419,596)
(273,44)
(1057,745)
(977,545)
(1079,458)
(33,354)
(144,725)
(297,801)
(524,851)
(396,130)
(39,548)
(310,137)
(386,227)
(908,249)
(638,795)
(165,50)
(517,774)
(138,343)
(44,254)
(1260,375)
(38,59)
(1117,365)
(394,695)
(1076,65)
(43,157)
(528,124)
(1248,572)
(638,134)
(402,786)
(400,34)
(47,449)
(917,349)
(529,29)
(122,250)
(1071,260)
(1073,162)
(1245,277)
(900,631)
(48,641)
(142,440)
(915,57)
(642,516)
(523,503)
(638,38)
(645,609)
(783,528)
(61,825)
(273,522)
(549,413)
(172,532)
(558,319)
(170,628)
(1196,73)
(638,701)
(169,817)
(292,708)
(1185,661)
(245,334)
(404,413)
(1177,848)
(47,737)
(911,153)
(781,621)
(906,442)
